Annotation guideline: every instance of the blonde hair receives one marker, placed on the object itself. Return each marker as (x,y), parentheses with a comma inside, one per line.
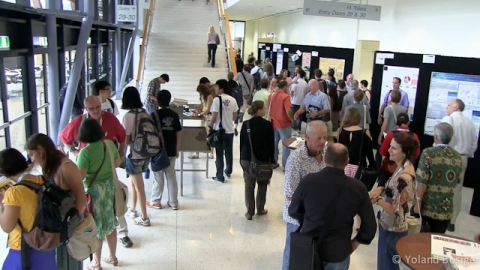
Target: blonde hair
(352,118)
(211,29)
(255,107)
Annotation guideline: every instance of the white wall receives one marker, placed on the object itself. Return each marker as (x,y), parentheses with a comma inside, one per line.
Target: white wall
(237,29)
(443,27)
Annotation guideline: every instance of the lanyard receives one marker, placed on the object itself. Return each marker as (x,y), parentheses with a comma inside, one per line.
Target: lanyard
(397,172)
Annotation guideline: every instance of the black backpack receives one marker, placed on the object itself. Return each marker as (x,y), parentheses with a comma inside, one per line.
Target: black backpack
(257,79)
(55,220)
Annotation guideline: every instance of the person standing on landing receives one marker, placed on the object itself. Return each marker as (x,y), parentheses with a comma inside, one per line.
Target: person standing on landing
(465,142)
(213,40)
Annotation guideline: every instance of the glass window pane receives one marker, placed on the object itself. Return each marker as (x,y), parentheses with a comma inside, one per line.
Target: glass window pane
(17,135)
(13,74)
(101,66)
(41,81)
(69,5)
(3,143)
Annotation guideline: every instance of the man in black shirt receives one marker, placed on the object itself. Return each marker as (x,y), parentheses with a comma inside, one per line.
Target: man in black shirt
(349,197)
(168,123)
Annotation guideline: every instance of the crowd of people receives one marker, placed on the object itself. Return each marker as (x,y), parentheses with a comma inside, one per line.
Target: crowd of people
(321,195)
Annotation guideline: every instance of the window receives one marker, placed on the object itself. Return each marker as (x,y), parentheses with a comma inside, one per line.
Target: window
(41,79)
(13,75)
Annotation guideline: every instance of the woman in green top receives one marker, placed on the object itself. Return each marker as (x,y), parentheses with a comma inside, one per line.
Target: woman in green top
(102,190)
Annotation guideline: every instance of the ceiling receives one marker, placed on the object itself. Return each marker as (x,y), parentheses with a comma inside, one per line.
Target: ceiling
(246,10)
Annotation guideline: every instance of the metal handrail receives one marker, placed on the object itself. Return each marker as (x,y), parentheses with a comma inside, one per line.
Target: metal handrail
(147,28)
(228,38)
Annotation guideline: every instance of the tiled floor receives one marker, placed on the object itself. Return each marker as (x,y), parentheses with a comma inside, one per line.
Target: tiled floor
(210,230)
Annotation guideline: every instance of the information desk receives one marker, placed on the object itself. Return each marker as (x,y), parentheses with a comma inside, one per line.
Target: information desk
(415,252)
(179,110)
(194,139)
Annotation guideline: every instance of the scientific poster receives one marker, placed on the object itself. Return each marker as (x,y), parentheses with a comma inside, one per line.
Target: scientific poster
(262,55)
(279,62)
(337,64)
(306,62)
(409,77)
(291,63)
(447,86)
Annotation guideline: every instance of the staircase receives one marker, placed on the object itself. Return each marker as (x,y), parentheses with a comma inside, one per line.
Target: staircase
(178,46)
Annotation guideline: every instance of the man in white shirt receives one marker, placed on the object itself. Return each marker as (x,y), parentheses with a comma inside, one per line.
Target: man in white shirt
(103,90)
(298,92)
(228,114)
(465,142)
(263,95)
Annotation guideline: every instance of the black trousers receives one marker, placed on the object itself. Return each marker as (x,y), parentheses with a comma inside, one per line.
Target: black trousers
(434,225)
(250,182)
(212,50)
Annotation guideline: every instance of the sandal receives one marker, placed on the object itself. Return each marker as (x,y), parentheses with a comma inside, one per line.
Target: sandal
(194,156)
(110,260)
(92,266)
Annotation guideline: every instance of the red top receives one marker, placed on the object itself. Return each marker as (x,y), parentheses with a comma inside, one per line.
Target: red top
(277,111)
(386,145)
(113,129)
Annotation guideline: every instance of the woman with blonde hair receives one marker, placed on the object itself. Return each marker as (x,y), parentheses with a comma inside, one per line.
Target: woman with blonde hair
(213,40)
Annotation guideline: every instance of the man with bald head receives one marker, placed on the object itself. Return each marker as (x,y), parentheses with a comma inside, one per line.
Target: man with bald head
(316,103)
(465,142)
(326,202)
(306,159)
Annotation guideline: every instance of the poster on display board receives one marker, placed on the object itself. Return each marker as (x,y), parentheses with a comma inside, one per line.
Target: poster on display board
(279,62)
(262,55)
(447,86)
(409,78)
(336,64)
(291,63)
(306,63)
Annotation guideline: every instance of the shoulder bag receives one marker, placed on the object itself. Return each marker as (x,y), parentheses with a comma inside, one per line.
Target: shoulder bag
(258,169)
(89,207)
(217,39)
(160,161)
(215,137)
(121,190)
(305,249)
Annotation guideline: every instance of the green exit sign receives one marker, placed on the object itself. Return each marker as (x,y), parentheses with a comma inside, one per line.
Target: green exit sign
(4,42)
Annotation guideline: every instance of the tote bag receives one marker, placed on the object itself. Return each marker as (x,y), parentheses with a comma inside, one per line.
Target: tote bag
(121,190)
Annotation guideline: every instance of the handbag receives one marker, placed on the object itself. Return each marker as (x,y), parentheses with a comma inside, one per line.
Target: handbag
(414,223)
(215,137)
(217,39)
(161,161)
(258,169)
(89,207)
(121,190)
(305,249)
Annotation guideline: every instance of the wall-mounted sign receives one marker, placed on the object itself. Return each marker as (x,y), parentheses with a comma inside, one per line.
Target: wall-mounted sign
(341,10)
(4,42)
(270,35)
(126,13)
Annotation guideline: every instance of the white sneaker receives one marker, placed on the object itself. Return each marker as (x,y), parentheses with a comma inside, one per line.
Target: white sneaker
(141,221)
(131,214)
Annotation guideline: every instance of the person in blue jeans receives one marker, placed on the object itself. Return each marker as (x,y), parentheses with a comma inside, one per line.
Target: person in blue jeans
(224,111)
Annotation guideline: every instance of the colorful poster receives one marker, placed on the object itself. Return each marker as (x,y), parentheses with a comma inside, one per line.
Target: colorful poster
(337,64)
(306,62)
(279,62)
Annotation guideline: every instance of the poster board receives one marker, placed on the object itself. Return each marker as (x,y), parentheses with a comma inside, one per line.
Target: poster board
(279,65)
(447,86)
(306,62)
(337,64)
(409,77)
(291,63)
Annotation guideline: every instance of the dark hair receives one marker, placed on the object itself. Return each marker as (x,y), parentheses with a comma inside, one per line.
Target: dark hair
(204,92)
(408,145)
(204,80)
(264,83)
(52,158)
(100,85)
(301,73)
(288,72)
(318,73)
(222,84)
(364,83)
(460,104)
(165,77)
(255,107)
(358,95)
(336,155)
(341,84)
(402,119)
(282,84)
(250,60)
(398,79)
(12,162)
(131,99)
(396,96)
(258,62)
(163,98)
(332,92)
(90,131)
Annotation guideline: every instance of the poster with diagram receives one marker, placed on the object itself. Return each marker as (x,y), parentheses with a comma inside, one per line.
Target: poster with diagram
(447,86)
(306,63)
(279,65)
(409,77)
(292,63)
(337,64)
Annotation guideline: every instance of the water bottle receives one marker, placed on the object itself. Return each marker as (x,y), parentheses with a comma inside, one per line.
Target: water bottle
(147,174)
